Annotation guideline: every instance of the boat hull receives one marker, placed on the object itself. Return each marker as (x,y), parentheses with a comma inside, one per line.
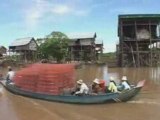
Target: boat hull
(87,99)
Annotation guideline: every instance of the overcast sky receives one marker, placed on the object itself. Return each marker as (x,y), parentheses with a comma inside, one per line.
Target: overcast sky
(38,18)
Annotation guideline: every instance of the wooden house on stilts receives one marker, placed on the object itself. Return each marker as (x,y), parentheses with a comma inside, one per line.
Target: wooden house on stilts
(24,48)
(83,47)
(139,40)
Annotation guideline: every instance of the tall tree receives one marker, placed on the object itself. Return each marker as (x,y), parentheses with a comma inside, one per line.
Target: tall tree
(55,46)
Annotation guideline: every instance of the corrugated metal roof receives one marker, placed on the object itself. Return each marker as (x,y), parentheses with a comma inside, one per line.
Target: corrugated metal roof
(21,41)
(81,35)
(139,16)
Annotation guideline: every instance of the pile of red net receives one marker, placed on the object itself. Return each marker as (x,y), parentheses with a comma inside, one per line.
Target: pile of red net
(46,78)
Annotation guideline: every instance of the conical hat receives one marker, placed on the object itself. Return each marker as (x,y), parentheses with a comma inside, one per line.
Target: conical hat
(124,78)
(80,81)
(111,78)
(96,81)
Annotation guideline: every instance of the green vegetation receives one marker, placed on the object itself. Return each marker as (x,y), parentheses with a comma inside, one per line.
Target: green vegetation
(108,58)
(55,46)
(110,55)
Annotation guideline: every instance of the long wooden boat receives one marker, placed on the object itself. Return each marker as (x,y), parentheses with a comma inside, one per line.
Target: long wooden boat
(88,99)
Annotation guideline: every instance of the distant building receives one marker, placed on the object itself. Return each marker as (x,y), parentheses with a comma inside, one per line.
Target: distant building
(3,51)
(98,48)
(83,47)
(25,47)
(139,38)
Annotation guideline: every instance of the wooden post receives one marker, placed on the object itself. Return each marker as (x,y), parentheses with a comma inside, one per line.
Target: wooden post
(72,53)
(81,53)
(137,63)
(150,43)
(138,56)
(25,56)
(133,56)
(121,44)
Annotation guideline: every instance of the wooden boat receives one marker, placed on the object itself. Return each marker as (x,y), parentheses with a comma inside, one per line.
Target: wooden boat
(87,99)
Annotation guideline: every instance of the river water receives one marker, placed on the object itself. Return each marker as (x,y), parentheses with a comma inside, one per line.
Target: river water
(145,106)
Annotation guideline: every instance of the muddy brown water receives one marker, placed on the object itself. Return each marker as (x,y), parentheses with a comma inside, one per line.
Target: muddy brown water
(145,106)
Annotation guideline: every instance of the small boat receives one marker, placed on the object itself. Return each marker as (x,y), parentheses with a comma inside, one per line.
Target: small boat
(87,99)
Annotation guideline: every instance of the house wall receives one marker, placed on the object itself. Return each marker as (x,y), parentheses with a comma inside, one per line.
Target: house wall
(32,45)
(82,49)
(88,41)
(3,50)
(27,52)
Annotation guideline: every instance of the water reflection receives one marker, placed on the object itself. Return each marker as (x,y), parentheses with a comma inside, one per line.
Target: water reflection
(155,75)
(151,75)
(88,73)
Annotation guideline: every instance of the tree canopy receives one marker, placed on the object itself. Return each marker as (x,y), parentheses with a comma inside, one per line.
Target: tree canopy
(55,46)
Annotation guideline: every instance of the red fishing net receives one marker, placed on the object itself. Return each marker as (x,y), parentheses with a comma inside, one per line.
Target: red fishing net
(46,78)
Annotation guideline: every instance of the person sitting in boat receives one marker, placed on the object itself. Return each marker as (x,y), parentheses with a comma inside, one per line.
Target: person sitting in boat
(124,84)
(102,84)
(98,86)
(10,75)
(95,86)
(112,86)
(74,90)
(83,89)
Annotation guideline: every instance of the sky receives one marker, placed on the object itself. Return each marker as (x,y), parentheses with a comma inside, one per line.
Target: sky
(38,18)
